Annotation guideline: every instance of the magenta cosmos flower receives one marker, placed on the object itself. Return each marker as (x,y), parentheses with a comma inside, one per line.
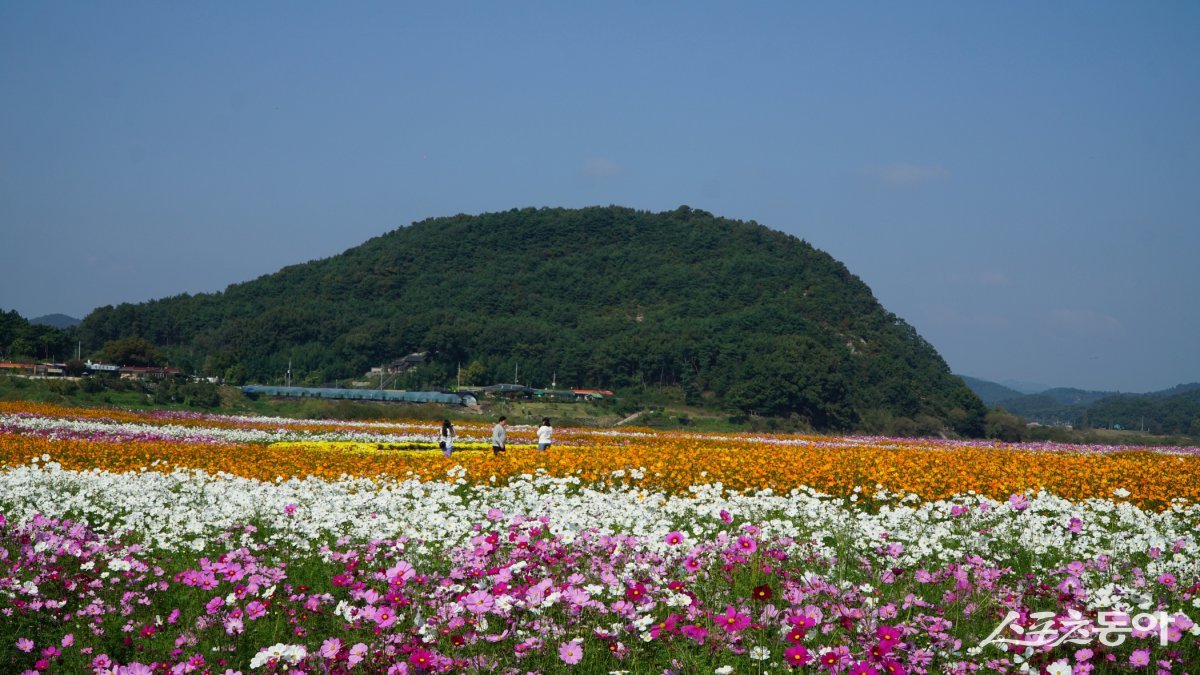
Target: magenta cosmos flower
(796,656)
(674,538)
(421,658)
(732,620)
(746,544)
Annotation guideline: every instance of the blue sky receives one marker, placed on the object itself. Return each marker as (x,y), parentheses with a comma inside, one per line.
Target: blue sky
(1018,180)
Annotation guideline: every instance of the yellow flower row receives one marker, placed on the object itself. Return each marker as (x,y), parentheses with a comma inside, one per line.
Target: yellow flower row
(672,462)
(412,448)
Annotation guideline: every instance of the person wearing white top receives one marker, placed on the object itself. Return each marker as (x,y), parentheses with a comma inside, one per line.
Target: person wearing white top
(544,435)
(447,438)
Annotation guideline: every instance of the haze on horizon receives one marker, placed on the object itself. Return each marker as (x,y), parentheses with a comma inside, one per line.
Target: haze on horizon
(1016,180)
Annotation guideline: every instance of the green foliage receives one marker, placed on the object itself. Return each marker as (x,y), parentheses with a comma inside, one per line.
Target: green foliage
(92,385)
(192,394)
(129,351)
(21,340)
(735,315)
(1175,411)
(1004,426)
(236,375)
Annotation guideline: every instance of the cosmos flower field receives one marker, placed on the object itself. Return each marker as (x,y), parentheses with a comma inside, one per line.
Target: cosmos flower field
(167,542)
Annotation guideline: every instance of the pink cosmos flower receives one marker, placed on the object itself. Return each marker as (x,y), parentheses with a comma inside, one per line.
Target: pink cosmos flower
(570,652)
(357,653)
(665,626)
(1139,658)
(746,544)
(330,648)
(289,509)
(385,617)
(576,597)
(888,635)
(479,602)
(68,640)
(400,574)
(862,668)
(1018,502)
(256,610)
(25,645)
(674,538)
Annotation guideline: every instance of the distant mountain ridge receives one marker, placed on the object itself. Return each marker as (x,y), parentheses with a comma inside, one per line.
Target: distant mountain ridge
(990,393)
(731,313)
(61,321)
(1169,411)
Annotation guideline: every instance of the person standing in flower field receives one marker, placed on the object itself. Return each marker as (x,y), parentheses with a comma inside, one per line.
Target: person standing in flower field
(499,436)
(545,435)
(447,438)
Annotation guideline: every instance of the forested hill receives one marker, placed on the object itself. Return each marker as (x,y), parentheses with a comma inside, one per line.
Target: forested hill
(734,314)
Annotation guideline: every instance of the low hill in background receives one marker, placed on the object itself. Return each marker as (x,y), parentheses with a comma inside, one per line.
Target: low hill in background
(990,393)
(56,320)
(731,314)
(1174,411)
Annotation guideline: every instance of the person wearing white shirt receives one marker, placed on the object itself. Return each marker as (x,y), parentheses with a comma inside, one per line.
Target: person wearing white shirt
(447,438)
(545,435)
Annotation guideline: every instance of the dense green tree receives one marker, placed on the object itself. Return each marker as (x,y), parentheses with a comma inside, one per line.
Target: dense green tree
(129,351)
(20,339)
(75,367)
(236,375)
(1003,425)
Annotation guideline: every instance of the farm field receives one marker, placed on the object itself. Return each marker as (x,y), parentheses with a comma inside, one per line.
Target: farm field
(166,542)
